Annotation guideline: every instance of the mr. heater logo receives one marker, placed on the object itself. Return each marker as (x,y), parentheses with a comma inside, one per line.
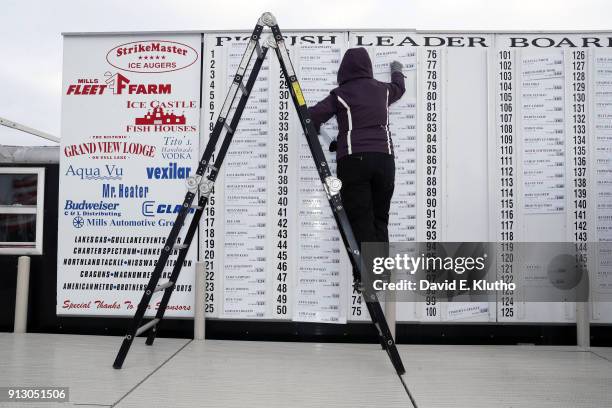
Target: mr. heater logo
(152,56)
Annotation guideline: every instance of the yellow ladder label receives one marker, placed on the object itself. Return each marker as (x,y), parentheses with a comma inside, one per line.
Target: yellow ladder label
(298,93)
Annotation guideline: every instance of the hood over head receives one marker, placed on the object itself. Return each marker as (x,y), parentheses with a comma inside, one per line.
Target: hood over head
(355,64)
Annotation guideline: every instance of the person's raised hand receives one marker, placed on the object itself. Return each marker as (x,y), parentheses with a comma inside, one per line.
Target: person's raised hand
(396,66)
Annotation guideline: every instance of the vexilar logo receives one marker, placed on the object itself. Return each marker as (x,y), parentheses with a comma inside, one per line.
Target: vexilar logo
(171,171)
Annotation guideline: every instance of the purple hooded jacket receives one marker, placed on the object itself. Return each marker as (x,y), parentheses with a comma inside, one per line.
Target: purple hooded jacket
(361,105)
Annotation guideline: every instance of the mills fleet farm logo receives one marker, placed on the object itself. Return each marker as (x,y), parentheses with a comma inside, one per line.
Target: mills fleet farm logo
(152,56)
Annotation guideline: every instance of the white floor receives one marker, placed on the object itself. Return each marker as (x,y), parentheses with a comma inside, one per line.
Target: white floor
(183,373)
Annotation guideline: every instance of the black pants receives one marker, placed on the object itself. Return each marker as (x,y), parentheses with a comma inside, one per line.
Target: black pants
(368,180)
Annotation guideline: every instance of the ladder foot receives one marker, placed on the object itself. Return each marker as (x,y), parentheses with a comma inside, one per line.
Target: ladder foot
(151,337)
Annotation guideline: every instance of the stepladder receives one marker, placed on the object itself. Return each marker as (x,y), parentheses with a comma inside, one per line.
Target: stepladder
(200,188)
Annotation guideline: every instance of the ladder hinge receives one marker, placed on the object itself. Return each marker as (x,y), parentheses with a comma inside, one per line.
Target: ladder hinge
(333,185)
(163,286)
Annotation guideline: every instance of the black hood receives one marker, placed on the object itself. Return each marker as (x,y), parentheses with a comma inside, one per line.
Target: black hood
(355,64)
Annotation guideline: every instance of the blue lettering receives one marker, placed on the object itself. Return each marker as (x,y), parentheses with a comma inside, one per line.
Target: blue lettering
(172,171)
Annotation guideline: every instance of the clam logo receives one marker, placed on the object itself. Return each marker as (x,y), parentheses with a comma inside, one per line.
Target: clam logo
(152,56)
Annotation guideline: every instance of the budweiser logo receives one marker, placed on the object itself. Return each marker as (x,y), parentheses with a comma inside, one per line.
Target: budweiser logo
(152,56)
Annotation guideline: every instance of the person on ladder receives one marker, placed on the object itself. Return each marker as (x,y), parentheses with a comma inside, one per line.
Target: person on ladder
(364,149)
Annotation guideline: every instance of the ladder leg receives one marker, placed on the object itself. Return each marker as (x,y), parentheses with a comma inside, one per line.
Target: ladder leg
(383,343)
(382,326)
(212,178)
(177,268)
(157,272)
(332,188)
(237,84)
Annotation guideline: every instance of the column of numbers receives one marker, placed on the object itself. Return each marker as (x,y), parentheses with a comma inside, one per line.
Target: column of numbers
(208,232)
(282,200)
(579,153)
(507,191)
(432,172)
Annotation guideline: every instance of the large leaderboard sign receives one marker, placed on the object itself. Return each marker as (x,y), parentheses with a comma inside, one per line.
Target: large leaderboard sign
(499,137)
(130,128)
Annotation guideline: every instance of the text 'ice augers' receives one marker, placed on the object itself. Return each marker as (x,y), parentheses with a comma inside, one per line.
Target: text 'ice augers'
(202,185)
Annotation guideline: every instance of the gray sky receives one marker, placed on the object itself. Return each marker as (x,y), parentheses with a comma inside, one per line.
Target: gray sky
(31,44)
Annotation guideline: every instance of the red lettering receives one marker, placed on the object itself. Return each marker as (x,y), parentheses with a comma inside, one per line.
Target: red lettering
(86,89)
(69,305)
(100,304)
(131,104)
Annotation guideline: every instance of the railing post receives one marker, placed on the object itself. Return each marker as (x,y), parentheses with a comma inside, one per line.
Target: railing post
(583,325)
(200,291)
(21,294)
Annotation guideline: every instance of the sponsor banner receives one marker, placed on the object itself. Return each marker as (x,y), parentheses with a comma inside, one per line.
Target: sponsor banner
(130,129)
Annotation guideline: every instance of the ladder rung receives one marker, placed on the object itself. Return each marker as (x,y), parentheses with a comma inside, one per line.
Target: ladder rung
(196,206)
(179,246)
(163,286)
(228,127)
(146,326)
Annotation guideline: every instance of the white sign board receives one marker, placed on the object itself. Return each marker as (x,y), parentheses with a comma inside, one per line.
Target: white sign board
(499,137)
(130,128)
